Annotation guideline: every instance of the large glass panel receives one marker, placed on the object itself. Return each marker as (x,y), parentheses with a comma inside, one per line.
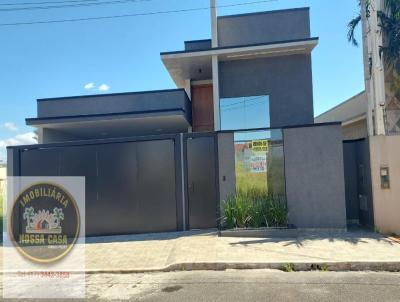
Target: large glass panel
(259,161)
(244,112)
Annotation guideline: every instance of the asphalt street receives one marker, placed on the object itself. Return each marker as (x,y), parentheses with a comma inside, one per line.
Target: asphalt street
(246,285)
(236,285)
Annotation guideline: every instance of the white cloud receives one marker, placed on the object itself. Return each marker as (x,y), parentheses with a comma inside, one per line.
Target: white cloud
(28,138)
(104,87)
(10,126)
(89,86)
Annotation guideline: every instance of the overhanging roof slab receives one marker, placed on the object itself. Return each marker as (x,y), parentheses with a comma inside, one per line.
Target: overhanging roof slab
(196,65)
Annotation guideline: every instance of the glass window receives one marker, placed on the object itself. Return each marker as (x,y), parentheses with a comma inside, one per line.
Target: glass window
(248,112)
(259,161)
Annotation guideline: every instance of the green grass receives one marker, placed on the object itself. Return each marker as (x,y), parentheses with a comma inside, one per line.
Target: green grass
(254,208)
(288,267)
(246,180)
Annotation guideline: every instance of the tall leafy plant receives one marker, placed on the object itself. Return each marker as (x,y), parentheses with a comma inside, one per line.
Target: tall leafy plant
(389,23)
(255,208)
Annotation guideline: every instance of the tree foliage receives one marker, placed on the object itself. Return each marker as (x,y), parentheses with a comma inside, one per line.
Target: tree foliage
(389,23)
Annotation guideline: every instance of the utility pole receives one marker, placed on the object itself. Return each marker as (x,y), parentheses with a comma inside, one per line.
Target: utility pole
(214,30)
(374,67)
(214,62)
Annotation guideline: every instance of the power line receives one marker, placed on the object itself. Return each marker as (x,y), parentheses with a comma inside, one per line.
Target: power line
(69,5)
(244,106)
(242,101)
(45,2)
(133,15)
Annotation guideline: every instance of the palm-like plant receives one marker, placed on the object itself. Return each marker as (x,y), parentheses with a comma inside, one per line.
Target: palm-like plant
(389,23)
(352,26)
(58,215)
(28,214)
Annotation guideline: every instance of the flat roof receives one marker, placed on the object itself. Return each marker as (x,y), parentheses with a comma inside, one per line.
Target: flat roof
(110,94)
(197,41)
(227,48)
(196,64)
(265,12)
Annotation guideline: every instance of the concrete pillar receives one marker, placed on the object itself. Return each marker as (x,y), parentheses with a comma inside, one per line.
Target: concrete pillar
(215,75)
(226,166)
(215,69)
(375,73)
(40,135)
(214,25)
(188,88)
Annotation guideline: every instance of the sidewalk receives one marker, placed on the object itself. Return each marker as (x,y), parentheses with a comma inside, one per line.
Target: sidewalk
(357,250)
(204,250)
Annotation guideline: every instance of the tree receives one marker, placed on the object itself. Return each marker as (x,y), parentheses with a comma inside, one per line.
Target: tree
(58,215)
(29,214)
(389,23)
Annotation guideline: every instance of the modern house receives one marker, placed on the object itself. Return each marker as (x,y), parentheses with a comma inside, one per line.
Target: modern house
(166,160)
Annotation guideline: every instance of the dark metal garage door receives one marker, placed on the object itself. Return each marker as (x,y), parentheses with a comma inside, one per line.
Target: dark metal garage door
(120,182)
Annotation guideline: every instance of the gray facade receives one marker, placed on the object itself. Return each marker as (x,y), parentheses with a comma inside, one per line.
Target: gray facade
(53,135)
(226,165)
(198,44)
(286,79)
(265,27)
(136,102)
(315,176)
(112,115)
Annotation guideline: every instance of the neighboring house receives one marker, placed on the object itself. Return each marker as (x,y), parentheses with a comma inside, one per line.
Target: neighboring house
(352,114)
(165,160)
(371,132)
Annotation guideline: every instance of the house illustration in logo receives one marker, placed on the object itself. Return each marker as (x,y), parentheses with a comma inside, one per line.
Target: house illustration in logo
(43,222)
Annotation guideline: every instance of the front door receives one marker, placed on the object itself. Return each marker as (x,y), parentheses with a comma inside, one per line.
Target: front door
(202,108)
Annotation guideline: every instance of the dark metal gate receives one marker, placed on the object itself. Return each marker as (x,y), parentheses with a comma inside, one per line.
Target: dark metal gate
(359,205)
(202,180)
(120,181)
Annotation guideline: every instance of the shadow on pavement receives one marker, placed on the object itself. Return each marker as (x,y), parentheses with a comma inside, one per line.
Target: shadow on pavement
(352,236)
(150,236)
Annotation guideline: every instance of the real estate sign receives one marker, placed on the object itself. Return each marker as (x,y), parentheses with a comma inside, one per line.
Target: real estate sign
(258,159)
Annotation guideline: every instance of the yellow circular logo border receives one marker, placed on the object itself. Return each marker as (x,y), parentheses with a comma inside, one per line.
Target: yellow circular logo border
(10,224)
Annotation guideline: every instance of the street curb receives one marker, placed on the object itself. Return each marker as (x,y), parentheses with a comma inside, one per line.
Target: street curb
(379,266)
(375,266)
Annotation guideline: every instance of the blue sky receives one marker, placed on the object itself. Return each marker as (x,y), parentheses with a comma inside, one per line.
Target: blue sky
(52,60)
